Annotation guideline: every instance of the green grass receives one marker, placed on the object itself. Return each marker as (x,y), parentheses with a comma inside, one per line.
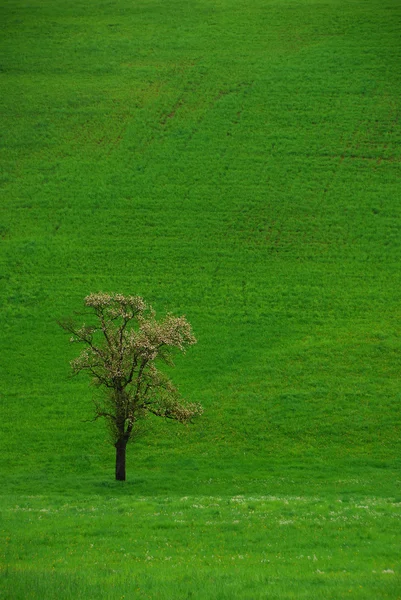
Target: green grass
(238,162)
(203,547)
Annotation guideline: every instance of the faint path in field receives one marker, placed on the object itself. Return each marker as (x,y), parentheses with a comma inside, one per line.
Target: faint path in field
(362,146)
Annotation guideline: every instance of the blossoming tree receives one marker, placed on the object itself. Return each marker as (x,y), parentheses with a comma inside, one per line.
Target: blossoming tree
(123,346)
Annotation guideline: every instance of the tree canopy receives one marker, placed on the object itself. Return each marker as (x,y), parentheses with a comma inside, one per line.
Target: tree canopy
(124,344)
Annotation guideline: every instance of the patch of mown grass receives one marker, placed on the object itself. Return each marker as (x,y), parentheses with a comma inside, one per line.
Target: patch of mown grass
(216,547)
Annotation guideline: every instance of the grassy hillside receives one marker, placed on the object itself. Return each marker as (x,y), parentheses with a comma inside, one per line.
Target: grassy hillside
(237,162)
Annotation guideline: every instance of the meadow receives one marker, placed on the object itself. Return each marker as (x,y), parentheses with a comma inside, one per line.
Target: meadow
(239,163)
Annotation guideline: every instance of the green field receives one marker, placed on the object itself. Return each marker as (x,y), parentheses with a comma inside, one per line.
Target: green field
(239,163)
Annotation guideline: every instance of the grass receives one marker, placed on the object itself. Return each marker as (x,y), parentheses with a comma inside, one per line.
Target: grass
(204,547)
(239,163)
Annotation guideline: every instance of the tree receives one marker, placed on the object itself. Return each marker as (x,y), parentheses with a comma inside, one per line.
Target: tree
(122,346)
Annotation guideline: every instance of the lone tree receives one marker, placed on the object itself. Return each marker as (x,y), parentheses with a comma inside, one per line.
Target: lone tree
(122,346)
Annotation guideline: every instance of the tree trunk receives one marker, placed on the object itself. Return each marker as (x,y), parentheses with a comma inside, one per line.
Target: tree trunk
(121,447)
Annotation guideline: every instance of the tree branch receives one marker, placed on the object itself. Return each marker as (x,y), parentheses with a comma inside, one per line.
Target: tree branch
(100,414)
